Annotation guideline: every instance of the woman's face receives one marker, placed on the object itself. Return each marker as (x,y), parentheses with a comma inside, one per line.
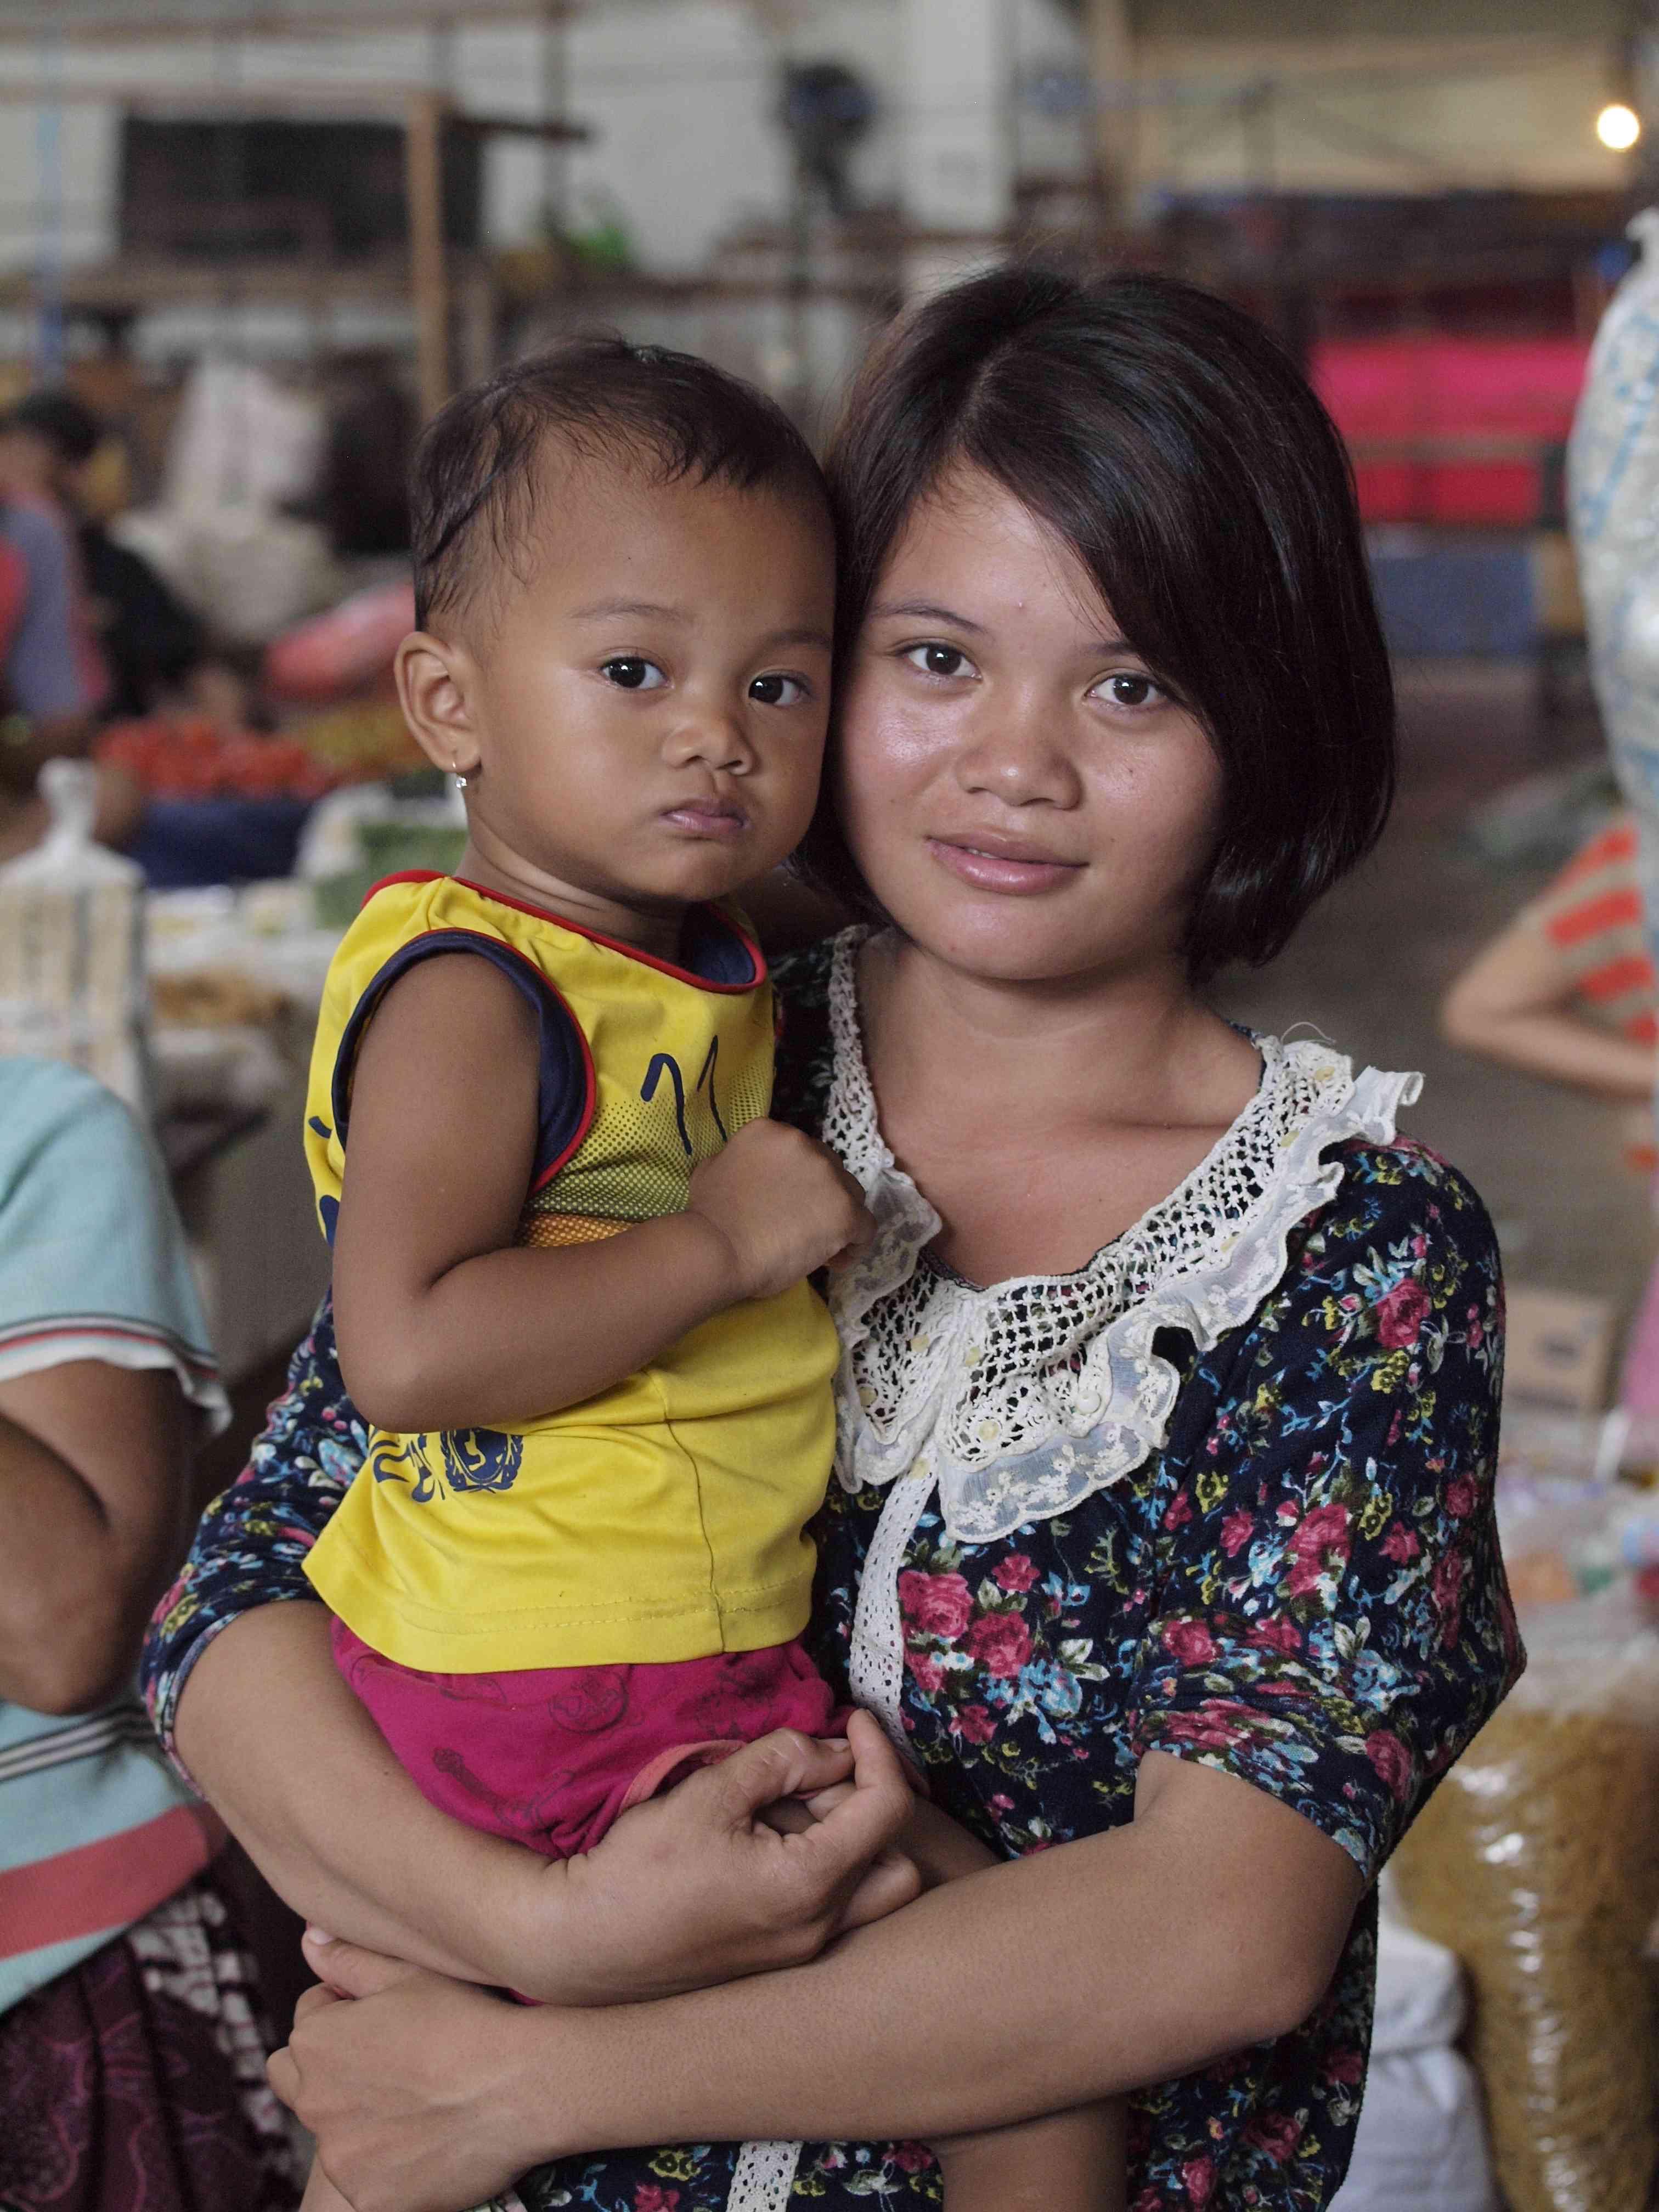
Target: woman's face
(1021,796)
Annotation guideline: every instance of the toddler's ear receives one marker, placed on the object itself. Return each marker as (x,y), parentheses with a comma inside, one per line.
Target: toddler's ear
(432,689)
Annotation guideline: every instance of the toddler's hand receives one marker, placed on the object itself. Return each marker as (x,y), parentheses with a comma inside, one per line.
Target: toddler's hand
(783,1205)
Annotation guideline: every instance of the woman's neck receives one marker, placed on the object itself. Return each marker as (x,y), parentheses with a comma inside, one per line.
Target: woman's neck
(1131,1047)
(1042,1119)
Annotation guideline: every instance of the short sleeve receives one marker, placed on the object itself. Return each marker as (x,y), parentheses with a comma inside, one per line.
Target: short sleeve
(1332,1622)
(93,1261)
(251,1545)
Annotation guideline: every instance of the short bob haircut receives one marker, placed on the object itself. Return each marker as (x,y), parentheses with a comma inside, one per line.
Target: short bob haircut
(1170,443)
(474,478)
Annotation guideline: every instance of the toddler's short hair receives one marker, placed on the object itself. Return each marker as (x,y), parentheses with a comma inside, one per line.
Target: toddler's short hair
(475,468)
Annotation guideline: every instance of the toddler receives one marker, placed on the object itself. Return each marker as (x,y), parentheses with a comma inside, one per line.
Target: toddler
(570,1250)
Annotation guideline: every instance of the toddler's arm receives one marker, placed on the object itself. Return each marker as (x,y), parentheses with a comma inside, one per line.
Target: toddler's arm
(442,1322)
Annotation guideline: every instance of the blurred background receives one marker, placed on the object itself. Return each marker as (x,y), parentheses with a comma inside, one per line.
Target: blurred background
(261,244)
(245,251)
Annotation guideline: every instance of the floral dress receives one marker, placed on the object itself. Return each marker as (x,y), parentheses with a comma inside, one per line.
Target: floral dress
(1224,1494)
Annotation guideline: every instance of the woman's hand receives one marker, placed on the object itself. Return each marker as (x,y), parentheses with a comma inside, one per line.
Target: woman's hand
(689,1889)
(404,2087)
(698,1887)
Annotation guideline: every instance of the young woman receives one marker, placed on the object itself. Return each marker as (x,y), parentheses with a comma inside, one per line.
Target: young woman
(1164,1533)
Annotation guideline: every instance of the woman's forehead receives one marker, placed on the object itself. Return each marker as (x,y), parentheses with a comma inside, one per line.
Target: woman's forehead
(974,547)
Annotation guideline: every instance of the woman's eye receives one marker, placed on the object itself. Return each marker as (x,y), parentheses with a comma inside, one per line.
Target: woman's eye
(778,691)
(629,672)
(1129,690)
(937,659)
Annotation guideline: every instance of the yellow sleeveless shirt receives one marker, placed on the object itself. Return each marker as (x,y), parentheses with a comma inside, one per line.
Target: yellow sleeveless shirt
(664,1519)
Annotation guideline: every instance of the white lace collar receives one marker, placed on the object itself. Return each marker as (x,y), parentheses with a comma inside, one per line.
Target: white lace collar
(1021,1399)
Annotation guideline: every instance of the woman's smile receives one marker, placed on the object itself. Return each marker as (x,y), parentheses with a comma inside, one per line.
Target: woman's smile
(1011,866)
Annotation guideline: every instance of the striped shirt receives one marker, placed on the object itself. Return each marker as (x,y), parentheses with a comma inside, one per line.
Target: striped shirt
(94,1831)
(1592,914)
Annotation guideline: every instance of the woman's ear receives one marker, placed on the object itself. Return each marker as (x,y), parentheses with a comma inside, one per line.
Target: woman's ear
(433,692)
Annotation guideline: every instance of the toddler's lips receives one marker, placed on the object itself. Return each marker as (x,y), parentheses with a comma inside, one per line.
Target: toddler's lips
(707,819)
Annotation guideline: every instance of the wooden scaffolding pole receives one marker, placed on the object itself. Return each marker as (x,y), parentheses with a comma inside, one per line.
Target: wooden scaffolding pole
(423,176)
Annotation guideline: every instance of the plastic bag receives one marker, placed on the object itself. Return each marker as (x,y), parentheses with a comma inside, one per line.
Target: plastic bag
(1421,2145)
(1537,1862)
(72,945)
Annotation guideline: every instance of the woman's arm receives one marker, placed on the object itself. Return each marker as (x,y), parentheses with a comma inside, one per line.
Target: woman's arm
(1515,1004)
(94,1466)
(693,1888)
(1331,1626)
(1216,1918)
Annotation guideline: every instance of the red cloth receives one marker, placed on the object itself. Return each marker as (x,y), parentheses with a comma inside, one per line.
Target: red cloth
(14,590)
(550,1756)
(1592,914)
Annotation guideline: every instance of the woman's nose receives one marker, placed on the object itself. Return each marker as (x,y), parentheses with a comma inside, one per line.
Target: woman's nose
(1015,754)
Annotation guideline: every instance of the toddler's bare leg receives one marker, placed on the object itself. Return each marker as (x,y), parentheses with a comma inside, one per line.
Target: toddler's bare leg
(321,2195)
(1072,2162)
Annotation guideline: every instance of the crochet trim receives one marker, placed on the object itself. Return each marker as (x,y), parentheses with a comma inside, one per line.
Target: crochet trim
(1021,1399)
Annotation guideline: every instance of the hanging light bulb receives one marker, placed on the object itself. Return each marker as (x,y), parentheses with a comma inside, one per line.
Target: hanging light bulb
(1618,127)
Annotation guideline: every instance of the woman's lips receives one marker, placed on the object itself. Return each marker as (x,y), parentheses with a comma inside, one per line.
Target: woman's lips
(707,819)
(1019,870)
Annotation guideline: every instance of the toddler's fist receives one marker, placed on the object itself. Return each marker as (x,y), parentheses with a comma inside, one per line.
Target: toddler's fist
(784,1206)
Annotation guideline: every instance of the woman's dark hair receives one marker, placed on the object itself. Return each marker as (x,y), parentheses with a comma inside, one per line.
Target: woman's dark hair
(476,465)
(1169,440)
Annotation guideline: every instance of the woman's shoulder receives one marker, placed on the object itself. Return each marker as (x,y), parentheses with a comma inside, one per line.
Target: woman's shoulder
(1391,1280)
(1401,1185)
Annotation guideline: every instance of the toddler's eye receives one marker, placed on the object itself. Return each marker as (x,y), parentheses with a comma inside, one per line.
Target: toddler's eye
(629,672)
(1127,691)
(937,659)
(778,691)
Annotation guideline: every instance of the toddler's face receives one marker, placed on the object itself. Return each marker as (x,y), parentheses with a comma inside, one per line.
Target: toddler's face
(645,713)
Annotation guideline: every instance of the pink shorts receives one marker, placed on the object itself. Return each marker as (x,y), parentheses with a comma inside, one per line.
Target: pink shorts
(548,1757)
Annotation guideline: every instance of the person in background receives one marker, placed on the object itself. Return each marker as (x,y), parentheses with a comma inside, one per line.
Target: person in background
(147,640)
(1567,990)
(131,2056)
(46,704)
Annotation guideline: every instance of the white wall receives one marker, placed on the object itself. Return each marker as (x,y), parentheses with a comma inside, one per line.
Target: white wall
(680,95)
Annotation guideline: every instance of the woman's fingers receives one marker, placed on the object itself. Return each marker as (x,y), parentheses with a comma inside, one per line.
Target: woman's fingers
(404,2091)
(349,1970)
(283,2074)
(863,1823)
(785,1764)
(889,1881)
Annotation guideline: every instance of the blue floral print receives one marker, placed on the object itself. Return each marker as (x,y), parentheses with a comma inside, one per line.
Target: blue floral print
(1303,1590)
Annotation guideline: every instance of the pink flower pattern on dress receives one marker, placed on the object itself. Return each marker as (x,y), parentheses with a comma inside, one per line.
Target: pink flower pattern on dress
(1303,1590)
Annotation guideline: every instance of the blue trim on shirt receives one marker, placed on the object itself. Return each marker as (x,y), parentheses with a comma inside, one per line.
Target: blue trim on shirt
(564,1096)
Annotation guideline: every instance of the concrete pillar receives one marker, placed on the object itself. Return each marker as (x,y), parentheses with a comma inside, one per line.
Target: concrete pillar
(957,177)
(1112,69)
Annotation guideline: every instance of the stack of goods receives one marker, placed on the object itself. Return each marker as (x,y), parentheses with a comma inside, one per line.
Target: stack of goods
(1537,1862)
(71,946)
(190,756)
(362,742)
